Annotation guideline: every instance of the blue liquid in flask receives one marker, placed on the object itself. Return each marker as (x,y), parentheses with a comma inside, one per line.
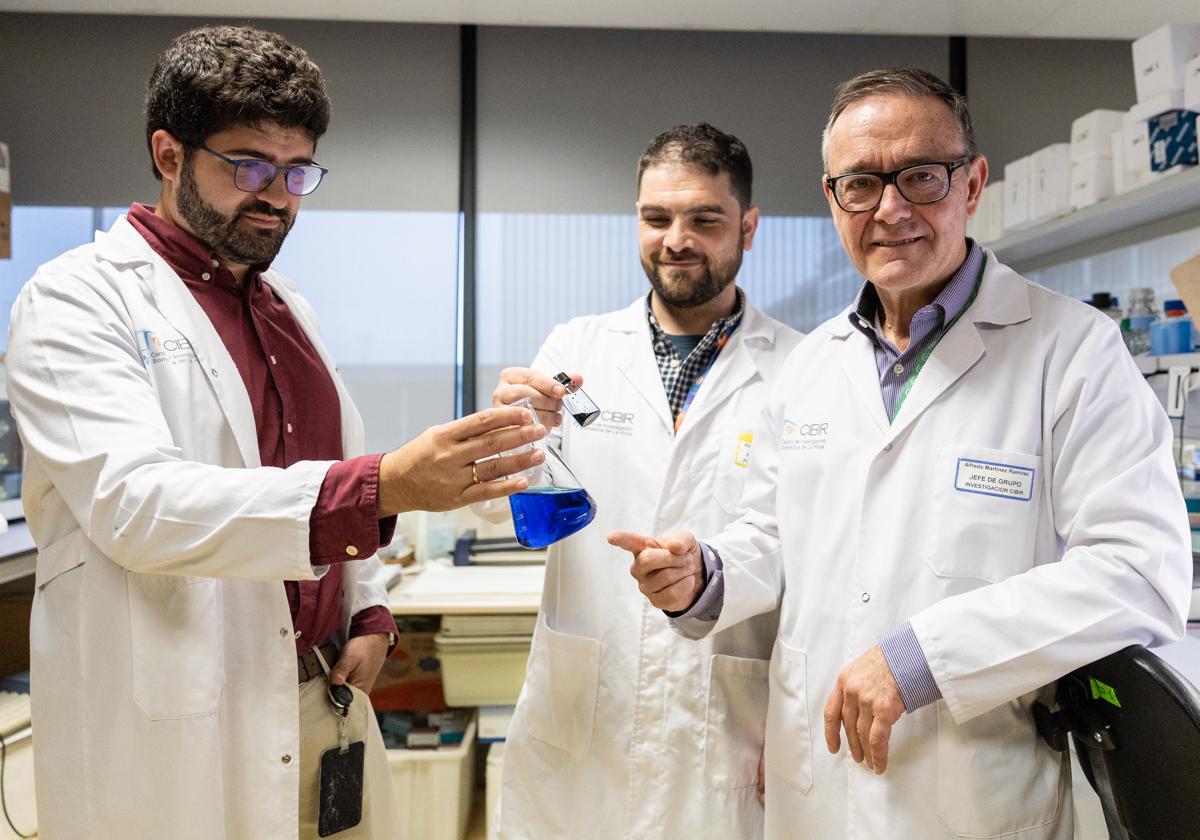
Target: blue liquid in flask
(544,515)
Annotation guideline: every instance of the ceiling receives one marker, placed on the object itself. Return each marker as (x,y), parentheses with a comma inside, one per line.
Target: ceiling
(1118,19)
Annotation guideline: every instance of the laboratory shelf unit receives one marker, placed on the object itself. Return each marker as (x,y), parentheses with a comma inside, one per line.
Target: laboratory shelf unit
(1156,209)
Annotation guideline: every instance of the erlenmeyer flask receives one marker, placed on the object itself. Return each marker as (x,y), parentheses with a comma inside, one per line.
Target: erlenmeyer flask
(555,505)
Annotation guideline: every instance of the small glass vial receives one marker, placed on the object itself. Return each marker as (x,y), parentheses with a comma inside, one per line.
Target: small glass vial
(577,403)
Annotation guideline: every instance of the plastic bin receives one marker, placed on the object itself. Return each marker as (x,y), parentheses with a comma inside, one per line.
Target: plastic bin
(493,778)
(482,670)
(434,788)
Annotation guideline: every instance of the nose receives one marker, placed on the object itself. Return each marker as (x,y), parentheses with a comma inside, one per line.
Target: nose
(678,236)
(893,207)
(276,193)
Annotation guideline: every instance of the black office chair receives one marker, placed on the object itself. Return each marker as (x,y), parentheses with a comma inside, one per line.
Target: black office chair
(1136,725)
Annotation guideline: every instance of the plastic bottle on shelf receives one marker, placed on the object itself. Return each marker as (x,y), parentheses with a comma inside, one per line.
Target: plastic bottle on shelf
(1107,303)
(1173,334)
(1141,317)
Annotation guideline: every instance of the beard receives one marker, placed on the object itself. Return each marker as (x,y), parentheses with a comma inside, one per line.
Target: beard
(226,234)
(680,290)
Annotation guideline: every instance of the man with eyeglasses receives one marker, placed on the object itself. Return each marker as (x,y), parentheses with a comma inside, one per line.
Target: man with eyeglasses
(209,609)
(964,491)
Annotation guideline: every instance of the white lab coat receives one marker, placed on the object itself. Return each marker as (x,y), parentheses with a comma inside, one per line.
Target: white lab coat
(163,661)
(623,729)
(862,520)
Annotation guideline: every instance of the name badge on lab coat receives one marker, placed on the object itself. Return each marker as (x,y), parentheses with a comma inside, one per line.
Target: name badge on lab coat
(986,478)
(741,457)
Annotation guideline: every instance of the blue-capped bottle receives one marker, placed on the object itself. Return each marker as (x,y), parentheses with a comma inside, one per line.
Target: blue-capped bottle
(555,505)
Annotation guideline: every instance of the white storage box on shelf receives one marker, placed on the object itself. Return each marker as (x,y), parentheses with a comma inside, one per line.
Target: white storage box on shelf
(1050,182)
(989,215)
(1191,85)
(1091,182)
(1160,57)
(482,670)
(434,788)
(1091,134)
(1017,181)
(1124,177)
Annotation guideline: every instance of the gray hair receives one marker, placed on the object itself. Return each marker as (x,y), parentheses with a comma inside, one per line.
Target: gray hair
(905,80)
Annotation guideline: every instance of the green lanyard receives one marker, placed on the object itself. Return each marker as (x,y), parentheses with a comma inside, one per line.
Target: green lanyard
(924,355)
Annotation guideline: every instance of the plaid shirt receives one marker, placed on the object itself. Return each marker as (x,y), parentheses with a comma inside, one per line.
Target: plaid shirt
(679,374)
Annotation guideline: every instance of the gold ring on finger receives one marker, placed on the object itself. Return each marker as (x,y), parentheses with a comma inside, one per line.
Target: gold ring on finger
(474,475)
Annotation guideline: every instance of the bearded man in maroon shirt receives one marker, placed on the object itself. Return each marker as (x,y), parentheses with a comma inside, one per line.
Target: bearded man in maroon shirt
(209,609)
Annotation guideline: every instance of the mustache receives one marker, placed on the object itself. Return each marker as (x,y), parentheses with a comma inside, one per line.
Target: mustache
(667,255)
(261,208)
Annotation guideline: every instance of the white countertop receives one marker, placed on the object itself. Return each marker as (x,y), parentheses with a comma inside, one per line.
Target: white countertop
(439,590)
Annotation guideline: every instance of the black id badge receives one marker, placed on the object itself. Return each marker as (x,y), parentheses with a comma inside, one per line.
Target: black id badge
(341,789)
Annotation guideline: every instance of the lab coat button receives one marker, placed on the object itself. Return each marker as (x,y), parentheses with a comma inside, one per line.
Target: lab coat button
(287,759)
(213,371)
(352,550)
(866,596)
(283,631)
(887,447)
(898,369)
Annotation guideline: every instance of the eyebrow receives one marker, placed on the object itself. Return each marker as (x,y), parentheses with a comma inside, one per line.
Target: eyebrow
(696,210)
(261,155)
(867,166)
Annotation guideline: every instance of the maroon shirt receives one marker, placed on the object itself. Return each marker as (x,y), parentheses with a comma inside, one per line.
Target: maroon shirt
(298,417)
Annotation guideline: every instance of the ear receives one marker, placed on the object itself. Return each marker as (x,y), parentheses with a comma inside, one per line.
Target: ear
(975,183)
(168,154)
(749,226)
(833,208)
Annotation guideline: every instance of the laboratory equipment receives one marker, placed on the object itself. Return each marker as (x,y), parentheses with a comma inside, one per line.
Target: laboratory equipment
(577,403)
(1141,316)
(1172,334)
(555,505)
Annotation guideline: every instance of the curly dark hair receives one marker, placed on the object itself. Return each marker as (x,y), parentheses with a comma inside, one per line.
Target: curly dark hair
(701,145)
(215,77)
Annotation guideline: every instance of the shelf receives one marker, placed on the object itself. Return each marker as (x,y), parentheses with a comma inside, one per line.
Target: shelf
(1157,209)
(1150,365)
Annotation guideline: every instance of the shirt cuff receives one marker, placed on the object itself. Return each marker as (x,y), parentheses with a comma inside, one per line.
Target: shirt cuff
(707,606)
(910,669)
(377,619)
(344,523)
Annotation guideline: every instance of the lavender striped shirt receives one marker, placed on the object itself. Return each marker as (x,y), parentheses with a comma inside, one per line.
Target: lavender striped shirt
(901,648)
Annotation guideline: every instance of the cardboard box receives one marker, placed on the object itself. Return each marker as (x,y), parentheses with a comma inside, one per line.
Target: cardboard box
(1091,182)
(1191,85)
(1173,140)
(411,678)
(1091,134)
(5,205)
(1018,177)
(1051,184)
(1159,58)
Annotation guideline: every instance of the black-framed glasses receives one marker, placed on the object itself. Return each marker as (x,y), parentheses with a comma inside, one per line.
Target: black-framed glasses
(253,175)
(923,183)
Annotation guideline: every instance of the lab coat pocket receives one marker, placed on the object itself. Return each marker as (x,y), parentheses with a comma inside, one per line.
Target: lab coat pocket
(59,557)
(735,721)
(996,777)
(733,465)
(175,638)
(560,690)
(982,519)
(789,737)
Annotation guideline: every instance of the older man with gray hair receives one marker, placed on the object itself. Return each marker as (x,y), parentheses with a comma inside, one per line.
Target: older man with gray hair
(964,475)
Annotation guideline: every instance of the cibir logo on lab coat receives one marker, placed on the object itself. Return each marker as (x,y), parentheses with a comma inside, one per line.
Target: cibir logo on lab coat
(809,435)
(156,350)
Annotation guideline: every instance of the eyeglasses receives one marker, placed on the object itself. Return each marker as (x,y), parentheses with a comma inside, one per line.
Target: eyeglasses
(252,175)
(925,183)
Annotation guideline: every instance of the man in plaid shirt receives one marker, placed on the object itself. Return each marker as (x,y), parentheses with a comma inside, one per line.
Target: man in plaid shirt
(607,741)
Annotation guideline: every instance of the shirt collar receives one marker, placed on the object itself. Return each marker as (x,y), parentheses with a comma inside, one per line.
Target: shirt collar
(730,321)
(190,258)
(947,306)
